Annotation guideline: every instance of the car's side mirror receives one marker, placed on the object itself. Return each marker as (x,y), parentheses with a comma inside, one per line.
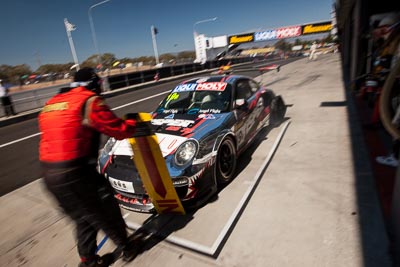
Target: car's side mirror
(241,104)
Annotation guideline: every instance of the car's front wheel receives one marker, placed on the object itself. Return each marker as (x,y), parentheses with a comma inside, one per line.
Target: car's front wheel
(278,111)
(226,161)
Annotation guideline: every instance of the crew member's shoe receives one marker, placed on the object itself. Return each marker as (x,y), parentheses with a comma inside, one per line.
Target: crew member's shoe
(99,261)
(388,160)
(131,250)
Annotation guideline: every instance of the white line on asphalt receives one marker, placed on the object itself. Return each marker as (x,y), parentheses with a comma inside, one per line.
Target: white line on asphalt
(250,189)
(19,140)
(143,99)
(119,107)
(210,251)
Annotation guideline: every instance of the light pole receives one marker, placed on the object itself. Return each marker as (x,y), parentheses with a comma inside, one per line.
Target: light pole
(93,31)
(153,36)
(69,28)
(195,34)
(202,21)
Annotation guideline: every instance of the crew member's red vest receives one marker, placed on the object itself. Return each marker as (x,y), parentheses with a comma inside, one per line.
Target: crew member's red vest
(64,137)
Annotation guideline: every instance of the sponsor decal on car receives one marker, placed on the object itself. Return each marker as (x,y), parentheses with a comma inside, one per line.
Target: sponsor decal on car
(210,110)
(185,88)
(172,96)
(207,116)
(212,86)
(172,122)
(169,111)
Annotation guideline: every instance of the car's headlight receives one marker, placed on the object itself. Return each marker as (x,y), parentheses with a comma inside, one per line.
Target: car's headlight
(185,152)
(108,146)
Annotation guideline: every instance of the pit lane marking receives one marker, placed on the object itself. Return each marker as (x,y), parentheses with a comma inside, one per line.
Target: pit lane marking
(231,222)
(116,108)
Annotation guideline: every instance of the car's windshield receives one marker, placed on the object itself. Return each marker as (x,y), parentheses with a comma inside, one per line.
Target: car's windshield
(192,98)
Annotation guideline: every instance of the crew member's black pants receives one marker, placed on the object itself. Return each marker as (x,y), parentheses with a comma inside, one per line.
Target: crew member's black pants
(88,199)
(8,106)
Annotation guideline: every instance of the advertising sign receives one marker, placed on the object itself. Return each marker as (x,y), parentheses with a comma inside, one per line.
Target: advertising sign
(220,41)
(265,35)
(288,32)
(241,38)
(317,28)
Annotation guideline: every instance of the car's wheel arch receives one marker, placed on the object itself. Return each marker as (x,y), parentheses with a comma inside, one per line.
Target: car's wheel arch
(221,138)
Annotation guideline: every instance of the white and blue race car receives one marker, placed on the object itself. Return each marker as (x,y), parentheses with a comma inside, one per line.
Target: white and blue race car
(202,126)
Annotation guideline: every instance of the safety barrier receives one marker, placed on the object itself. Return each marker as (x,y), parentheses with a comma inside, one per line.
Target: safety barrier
(34,99)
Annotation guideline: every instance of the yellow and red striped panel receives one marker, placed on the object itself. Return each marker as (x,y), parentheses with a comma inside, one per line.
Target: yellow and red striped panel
(154,173)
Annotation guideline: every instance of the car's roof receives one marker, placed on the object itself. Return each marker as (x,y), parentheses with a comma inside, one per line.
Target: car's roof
(216,78)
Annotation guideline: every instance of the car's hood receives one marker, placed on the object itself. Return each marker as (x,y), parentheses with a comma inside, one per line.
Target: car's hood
(174,129)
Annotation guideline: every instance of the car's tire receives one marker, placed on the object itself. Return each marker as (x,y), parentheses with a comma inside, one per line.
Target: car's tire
(278,111)
(226,161)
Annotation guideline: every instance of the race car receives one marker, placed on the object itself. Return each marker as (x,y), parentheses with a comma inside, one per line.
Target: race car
(202,126)
(224,70)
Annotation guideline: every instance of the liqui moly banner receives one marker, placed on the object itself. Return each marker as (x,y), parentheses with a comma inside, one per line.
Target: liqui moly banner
(288,32)
(265,35)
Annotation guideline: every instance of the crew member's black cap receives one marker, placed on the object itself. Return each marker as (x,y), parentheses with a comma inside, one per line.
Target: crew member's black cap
(84,75)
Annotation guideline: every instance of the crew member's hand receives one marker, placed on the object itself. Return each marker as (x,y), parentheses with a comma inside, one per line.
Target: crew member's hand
(131,116)
(143,129)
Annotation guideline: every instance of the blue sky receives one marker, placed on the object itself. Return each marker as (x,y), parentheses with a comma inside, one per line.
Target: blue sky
(33,32)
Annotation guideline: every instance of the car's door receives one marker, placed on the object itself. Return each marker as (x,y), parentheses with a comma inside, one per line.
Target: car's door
(243,109)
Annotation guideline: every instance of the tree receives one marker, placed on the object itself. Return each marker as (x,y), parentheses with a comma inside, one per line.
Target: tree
(54,68)
(167,57)
(107,59)
(283,45)
(186,56)
(90,62)
(13,74)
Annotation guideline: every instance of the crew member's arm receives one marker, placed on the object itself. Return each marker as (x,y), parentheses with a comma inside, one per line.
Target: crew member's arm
(99,116)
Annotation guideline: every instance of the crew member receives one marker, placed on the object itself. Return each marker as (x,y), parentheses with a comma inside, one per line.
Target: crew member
(6,100)
(71,124)
(313,50)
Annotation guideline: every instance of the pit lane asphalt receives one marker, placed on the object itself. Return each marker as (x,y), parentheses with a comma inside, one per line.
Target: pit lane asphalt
(315,205)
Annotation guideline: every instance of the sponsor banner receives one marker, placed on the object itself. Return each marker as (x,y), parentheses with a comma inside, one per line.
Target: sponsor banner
(220,41)
(316,28)
(288,32)
(258,51)
(241,38)
(265,35)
